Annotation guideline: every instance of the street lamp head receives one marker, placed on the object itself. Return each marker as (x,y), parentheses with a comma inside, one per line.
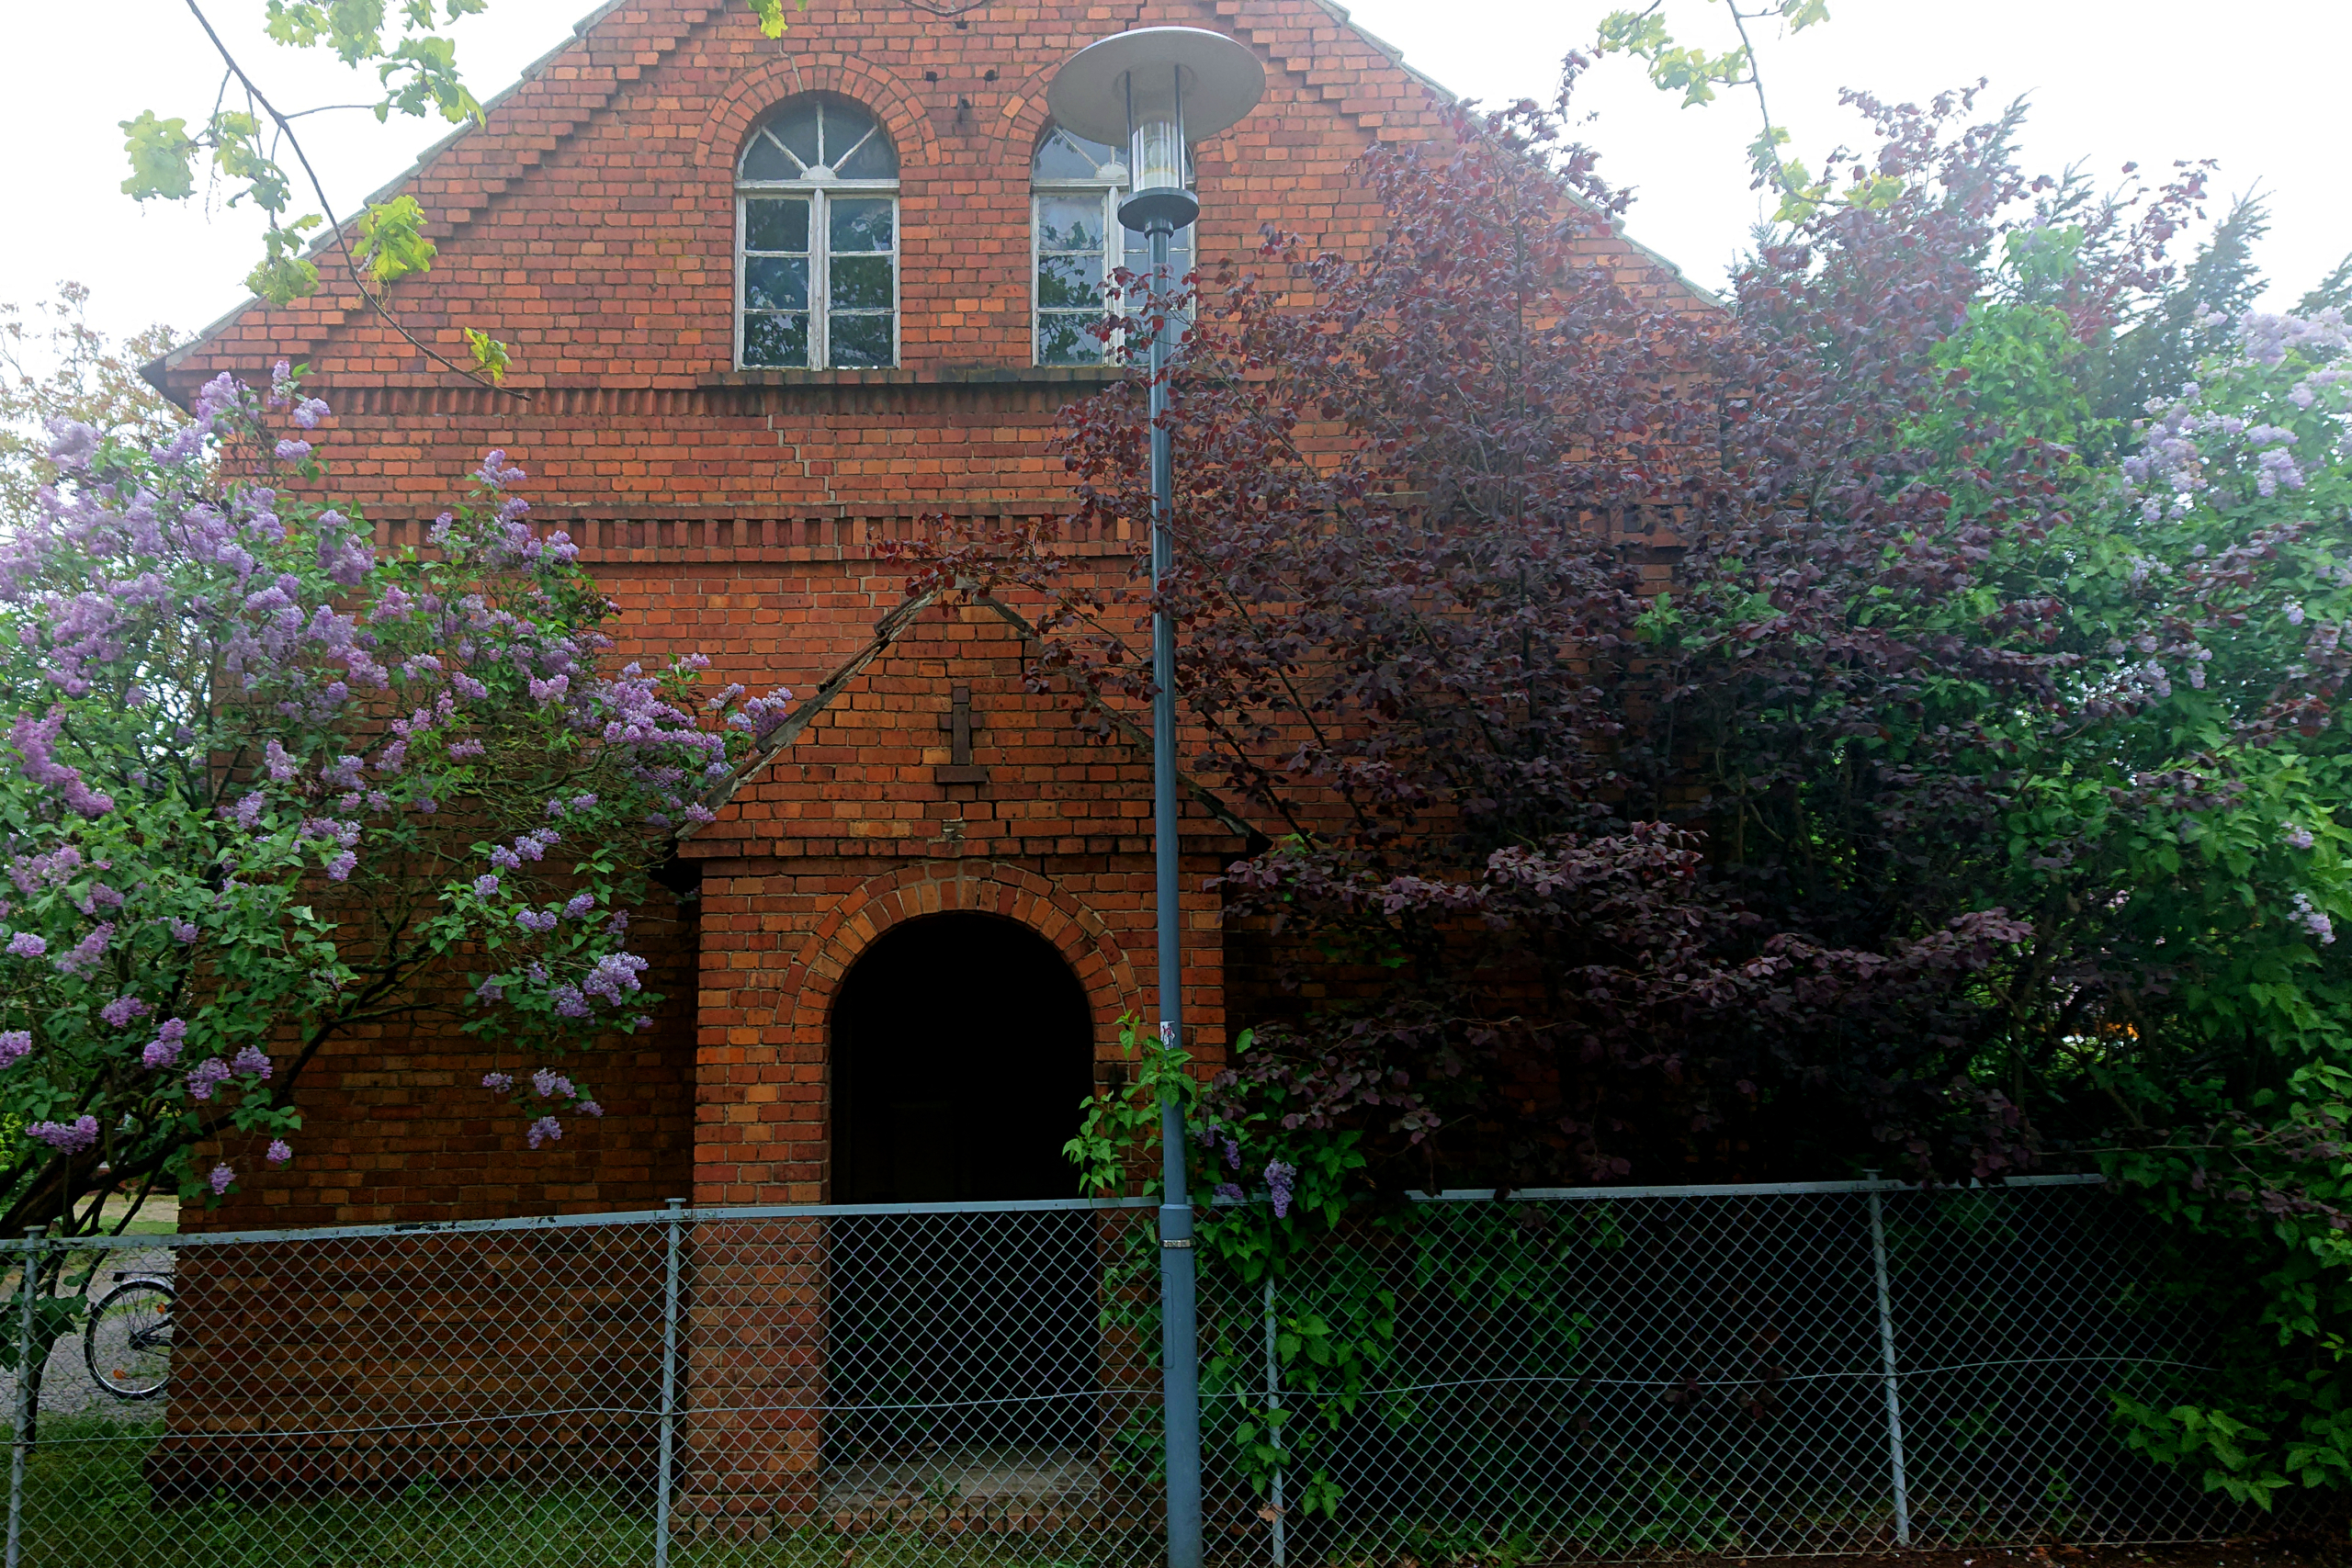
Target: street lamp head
(1159,90)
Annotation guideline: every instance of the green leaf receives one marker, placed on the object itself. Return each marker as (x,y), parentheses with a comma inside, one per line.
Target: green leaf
(391,239)
(162,158)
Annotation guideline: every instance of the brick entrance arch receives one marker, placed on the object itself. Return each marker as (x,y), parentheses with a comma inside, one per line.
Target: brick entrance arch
(764,1069)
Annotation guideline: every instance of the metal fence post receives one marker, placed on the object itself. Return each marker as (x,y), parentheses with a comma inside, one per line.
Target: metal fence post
(673,1229)
(1886,1364)
(1273,1431)
(25,1277)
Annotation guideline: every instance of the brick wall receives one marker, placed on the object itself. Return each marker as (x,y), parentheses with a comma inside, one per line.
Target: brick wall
(591,225)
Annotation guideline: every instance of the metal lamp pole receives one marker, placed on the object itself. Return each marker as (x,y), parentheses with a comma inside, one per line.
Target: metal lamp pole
(1159,87)
(1178,1335)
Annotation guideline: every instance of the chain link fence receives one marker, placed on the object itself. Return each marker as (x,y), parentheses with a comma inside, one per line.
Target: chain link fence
(1818,1369)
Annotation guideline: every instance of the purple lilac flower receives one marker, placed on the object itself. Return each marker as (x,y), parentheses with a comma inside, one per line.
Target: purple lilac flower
(569,1002)
(536,921)
(207,1076)
(123,1011)
(280,1152)
(25,944)
(252,1060)
(549,1084)
(615,974)
(582,904)
(2314,921)
(66,1137)
(291,451)
(498,1083)
(308,413)
(1228,1191)
(490,990)
(340,868)
(485,885)
(85,954)
(15,1044)
(34,741)
(589,1108)
(1279,1179)
(183,931)
(2294,613)
(222,1178)
(543,1129)
(2298,838)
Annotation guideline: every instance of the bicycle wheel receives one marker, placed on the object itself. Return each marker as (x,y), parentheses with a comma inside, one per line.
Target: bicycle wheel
(128,1342)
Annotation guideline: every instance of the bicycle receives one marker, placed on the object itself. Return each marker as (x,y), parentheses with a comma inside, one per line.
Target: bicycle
(128,1341)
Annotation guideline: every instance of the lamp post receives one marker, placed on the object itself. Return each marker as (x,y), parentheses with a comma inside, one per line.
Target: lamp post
(1158,89)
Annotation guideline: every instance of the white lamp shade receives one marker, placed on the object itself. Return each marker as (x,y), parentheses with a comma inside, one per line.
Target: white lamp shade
(1220,81)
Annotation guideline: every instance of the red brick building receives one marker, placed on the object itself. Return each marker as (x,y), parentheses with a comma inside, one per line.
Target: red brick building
(770,302)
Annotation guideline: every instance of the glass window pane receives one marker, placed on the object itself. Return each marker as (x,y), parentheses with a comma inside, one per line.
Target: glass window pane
(775,225)
(861,283)
(1068,340)
(776,340)
(796,128)
(775,283)
(860,223)
(1069,223)
(1180,251)
(870,160)
(1069,283)
(763,160)
(846,124)
(860,342)
(1062,156)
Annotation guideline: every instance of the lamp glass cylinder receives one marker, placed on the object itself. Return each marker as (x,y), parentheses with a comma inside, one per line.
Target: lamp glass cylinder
(1158,157)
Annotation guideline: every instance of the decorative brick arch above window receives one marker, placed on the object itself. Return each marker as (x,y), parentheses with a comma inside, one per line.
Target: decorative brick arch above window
(750,95)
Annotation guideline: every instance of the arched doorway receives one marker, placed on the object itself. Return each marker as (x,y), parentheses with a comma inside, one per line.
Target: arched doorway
(964,1343)
(962,1048)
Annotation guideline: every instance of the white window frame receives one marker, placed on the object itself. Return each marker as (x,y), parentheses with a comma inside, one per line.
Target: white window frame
(820,187)
(1110,185)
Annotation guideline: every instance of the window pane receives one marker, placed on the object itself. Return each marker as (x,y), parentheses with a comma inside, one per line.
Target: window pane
(1067,157)
(1067,340)
(776,340)
(861,283)
(846,124)
(775,283)
(860,342)
(1179,251)
(763,160)
(775,225)
(860,224)
(872,160)
(1069,283)
(1069,223)
(796,128)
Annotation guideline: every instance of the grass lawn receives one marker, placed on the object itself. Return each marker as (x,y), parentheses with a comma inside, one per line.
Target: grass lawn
(87,1506)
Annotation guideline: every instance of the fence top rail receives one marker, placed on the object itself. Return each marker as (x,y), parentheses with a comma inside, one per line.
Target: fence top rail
(639,1217)
(736,1213)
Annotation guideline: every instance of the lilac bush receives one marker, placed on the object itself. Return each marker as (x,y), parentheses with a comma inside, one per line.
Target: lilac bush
(264,781)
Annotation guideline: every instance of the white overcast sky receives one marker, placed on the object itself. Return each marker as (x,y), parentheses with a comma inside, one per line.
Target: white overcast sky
(2111,81)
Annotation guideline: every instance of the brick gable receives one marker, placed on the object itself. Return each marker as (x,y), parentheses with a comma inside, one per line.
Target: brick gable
(591,223)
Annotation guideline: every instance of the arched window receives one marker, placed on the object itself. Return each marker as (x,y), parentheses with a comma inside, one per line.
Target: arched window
(1075,188)
(817,239)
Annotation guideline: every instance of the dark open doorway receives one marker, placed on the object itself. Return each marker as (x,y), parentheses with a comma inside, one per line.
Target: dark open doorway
(963,1345)
(962,1047)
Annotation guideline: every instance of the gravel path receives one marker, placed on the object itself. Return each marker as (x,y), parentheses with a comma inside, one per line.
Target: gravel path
(66,1386)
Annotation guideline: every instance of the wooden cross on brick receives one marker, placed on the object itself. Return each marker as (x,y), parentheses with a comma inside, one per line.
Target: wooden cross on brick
(959,768)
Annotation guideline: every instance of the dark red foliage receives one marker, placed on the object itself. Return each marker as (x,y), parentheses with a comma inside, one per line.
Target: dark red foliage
(1426,498)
